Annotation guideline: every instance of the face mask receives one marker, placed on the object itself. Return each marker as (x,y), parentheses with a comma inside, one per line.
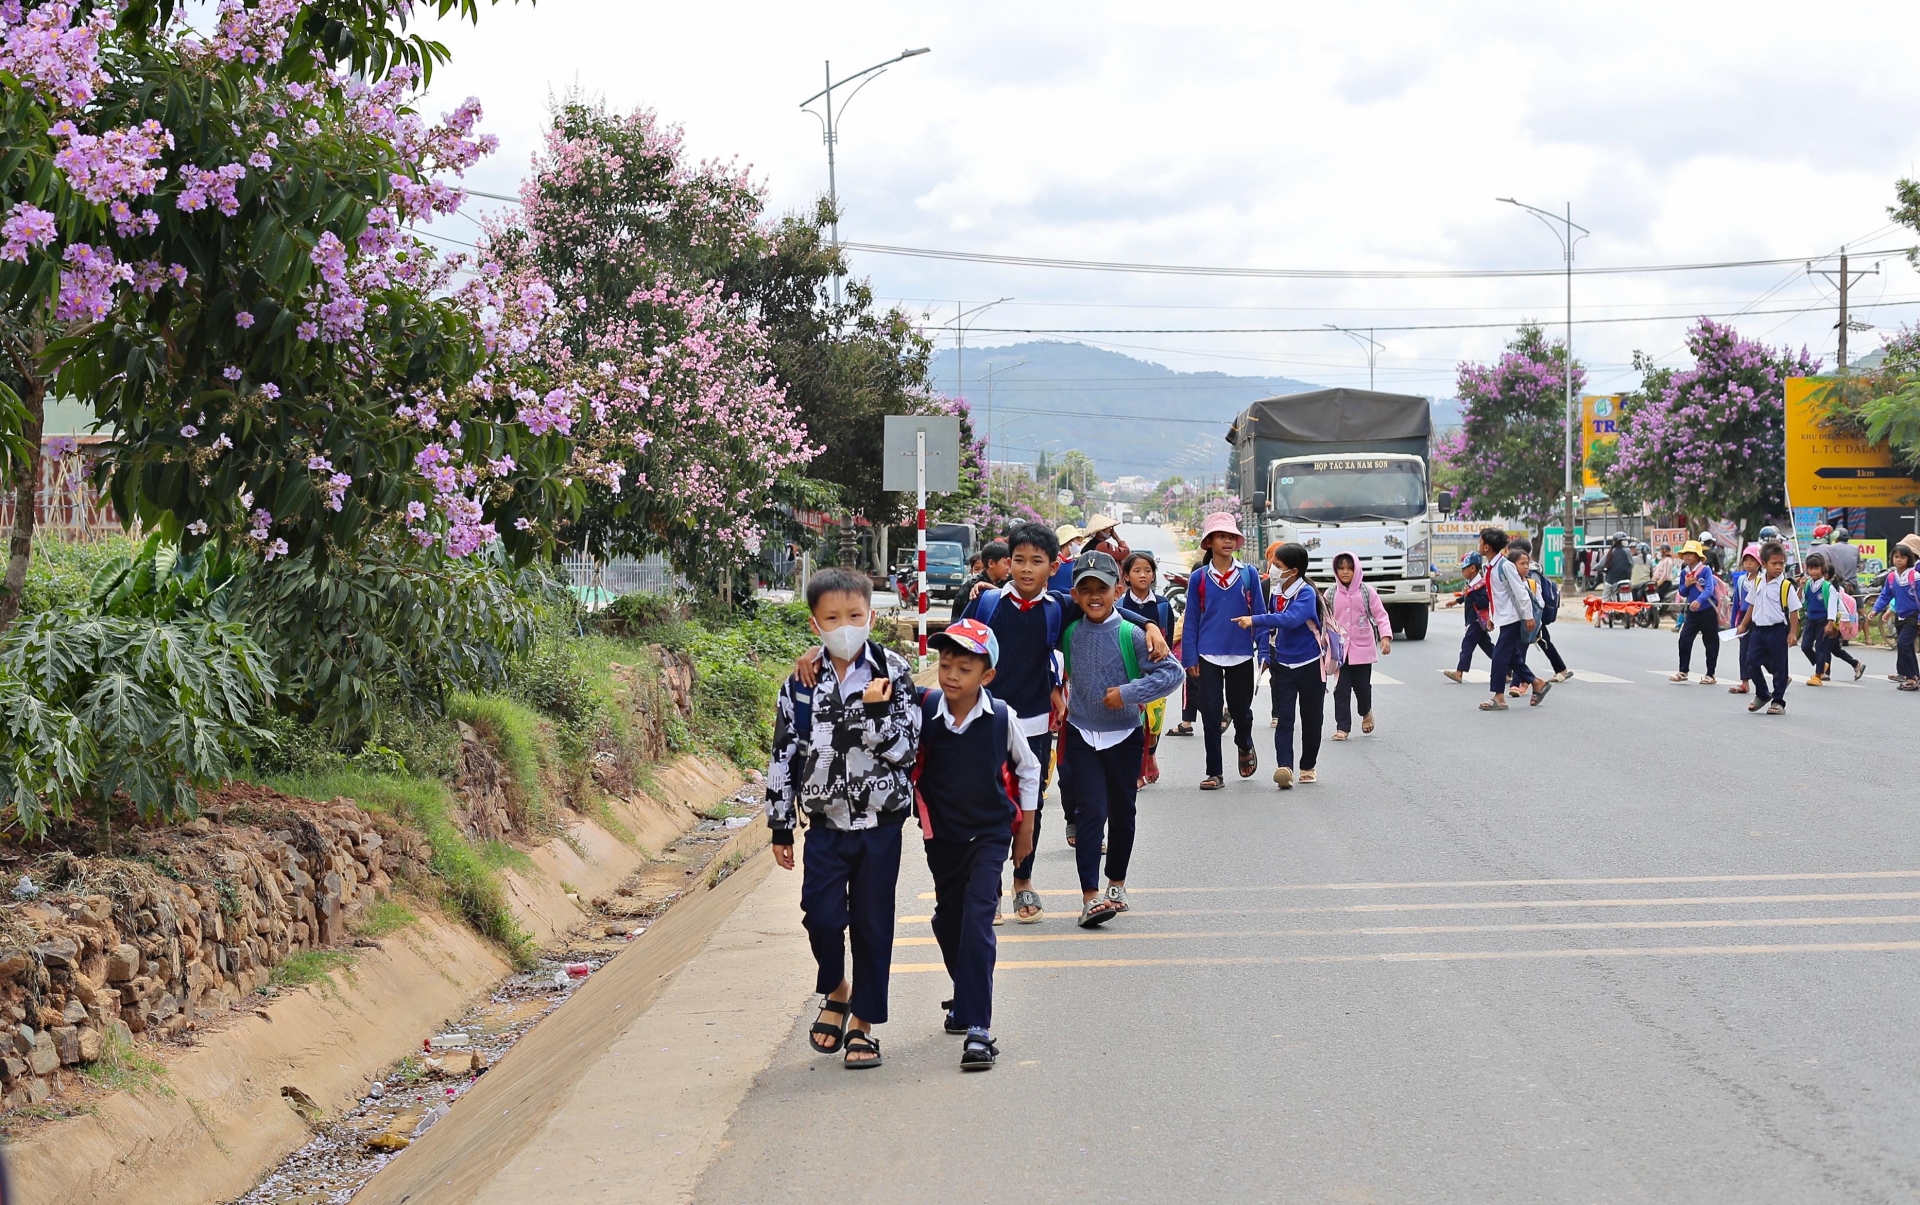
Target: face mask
(845,641)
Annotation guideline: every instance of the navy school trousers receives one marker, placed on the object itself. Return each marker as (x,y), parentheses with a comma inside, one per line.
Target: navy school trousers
(1106,785)
(846,890)
(1042,747)
(1475,638)
(1769,659)
(966,890)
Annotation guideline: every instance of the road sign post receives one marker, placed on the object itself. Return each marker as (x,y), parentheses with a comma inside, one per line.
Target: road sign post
(922,454)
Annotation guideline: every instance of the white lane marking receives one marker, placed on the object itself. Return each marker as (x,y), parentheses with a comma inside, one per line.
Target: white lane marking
(1473,675)
(1800,876)
(1837,947)
(1382,680)
(1788,922)
(1587,675)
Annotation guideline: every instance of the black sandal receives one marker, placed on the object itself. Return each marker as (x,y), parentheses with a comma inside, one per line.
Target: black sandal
(1249,763)
(835,1034)
(1181,729)
(952,1026)
(862,1042)
(978,1054)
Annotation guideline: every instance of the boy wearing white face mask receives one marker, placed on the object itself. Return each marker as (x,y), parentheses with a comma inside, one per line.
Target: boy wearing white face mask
(842,752)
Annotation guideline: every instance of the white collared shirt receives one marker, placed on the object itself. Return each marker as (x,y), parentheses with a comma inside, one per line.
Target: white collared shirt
(1763,595)
(1232,580)
(1026,767)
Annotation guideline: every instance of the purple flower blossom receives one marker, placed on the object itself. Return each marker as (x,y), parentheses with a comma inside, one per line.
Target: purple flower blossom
(243,320)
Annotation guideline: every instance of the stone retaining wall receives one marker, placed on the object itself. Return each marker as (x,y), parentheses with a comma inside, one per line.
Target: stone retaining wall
(154,946)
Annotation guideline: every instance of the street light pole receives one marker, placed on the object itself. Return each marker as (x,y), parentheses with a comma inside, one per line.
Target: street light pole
(1568,240)
(1367,345)
(831,136)
(960,341)
(990,374)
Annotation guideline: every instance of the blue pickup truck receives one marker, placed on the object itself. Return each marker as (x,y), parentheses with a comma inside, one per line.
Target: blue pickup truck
(946,569)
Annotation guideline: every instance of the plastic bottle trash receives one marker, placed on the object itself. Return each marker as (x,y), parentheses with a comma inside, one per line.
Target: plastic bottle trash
(426,1123)
(638,931)
(376,1089)
(448,1041)
(579,970)
(739,821)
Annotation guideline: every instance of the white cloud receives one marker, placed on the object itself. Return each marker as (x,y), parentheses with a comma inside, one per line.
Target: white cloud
(1371,135)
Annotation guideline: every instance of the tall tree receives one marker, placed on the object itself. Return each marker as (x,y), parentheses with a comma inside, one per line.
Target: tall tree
(1710,441)
(1511,451)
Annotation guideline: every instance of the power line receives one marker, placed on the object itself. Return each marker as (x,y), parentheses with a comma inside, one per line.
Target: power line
(1084,265)
(1316,330)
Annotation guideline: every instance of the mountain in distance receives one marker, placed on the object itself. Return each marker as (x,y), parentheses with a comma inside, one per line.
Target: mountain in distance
(1132,416)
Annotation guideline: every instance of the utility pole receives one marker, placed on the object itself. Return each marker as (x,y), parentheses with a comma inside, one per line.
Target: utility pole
(830,134)
(1567,241)
(960,340)
(1844,278)
(991,373)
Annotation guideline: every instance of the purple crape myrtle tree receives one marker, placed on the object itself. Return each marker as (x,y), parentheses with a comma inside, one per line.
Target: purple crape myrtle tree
(1508,457)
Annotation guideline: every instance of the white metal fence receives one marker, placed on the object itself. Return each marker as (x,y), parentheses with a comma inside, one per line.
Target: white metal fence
(623,574)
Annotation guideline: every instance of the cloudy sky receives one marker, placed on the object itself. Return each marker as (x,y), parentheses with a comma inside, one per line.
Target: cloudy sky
(1352,136)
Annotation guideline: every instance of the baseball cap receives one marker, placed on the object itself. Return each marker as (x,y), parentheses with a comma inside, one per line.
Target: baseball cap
(969,636)
(1096,564)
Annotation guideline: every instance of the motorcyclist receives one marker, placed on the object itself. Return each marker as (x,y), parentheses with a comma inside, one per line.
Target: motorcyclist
(1617,569)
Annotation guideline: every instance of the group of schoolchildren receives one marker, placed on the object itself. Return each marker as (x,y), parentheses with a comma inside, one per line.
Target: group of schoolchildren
(858,748)
(1510,606)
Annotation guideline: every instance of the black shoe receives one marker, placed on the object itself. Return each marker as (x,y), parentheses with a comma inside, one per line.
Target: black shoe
(952,1025)
(979,1052)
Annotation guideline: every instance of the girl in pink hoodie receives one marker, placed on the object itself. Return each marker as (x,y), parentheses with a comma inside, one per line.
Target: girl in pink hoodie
(1357,611)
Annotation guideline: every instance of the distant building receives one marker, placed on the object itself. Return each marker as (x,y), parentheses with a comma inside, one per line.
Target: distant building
(1130,487)
(67,504)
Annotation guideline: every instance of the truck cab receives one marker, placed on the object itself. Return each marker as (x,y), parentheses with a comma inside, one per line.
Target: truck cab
(1343,470)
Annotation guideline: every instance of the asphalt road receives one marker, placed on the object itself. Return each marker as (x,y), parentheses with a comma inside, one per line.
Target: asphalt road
(1634,945)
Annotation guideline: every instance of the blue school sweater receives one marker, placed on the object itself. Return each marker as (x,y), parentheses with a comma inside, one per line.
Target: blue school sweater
(1901,592)
(1696,586)
(1156,610)
(1293,642)
(1211,610)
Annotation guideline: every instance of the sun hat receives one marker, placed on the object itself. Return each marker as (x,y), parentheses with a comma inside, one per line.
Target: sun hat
(969,636)
(1067,531)
(1101,523)
(1217,522)
(1751,550)
(1096,565)
(1693,546)
(1911,543)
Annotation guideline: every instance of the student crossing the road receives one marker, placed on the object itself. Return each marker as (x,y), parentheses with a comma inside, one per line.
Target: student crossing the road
(1900,593)
(1479,615)
(1773,617)
(1700,616)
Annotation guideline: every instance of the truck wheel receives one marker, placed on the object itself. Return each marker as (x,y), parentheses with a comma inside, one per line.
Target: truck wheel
(1412,621)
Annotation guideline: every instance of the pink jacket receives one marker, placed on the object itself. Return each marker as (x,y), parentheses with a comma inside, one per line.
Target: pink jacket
(1350,607)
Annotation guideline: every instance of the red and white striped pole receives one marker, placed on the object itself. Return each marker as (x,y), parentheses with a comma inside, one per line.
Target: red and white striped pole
(920,469)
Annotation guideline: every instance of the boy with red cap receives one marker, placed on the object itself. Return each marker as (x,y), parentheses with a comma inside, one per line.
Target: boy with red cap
(976,790)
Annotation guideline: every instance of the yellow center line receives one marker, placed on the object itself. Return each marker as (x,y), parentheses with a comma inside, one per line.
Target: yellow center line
(1053,964)
(1702,878)
(1414,930)
(1670,901)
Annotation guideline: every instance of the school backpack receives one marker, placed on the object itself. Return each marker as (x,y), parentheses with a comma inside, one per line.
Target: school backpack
(929,701)
(1049,603)
(1549,598)
(1845,613)
(1722,601)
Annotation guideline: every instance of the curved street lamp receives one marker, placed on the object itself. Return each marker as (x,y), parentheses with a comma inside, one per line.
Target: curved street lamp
(831,135)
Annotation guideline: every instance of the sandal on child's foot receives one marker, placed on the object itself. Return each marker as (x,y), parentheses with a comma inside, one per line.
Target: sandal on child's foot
(1757,704)
(1339,736)
(978,1052)
(1117,896)
(1283,777)
(952,1025)
(1182,729)
(1249,762)
(1494,704)
(1072,831)
(998,919)
(1096,912)
(1741,689)
(1366,722)
(1677,678)
(1453,675)
(1309,776)
(1859,671)
(1709,680)
(1776,709)
(833,1034)
(1026,906)
(1563,676)
(1212,782)
(1540,693)
(865,1045)
(1909,684)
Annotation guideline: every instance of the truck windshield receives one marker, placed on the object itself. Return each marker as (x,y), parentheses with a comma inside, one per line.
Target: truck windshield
(1338,488)
(941,553)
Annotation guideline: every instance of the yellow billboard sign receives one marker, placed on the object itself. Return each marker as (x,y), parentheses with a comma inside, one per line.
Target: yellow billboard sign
(1825,469)
(1599,426)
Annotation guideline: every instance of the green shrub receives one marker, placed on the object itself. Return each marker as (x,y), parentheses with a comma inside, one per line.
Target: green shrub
(632,613)
(61,573)
(525,749)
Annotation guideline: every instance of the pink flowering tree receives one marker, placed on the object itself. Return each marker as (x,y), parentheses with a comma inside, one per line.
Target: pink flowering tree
(683,430)
(204,233)
(1508,457)
(1710,441)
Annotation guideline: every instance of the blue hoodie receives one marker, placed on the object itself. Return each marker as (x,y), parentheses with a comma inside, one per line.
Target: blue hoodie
(1696,586)
(1901,591)
(1293,642)
(1211,610)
